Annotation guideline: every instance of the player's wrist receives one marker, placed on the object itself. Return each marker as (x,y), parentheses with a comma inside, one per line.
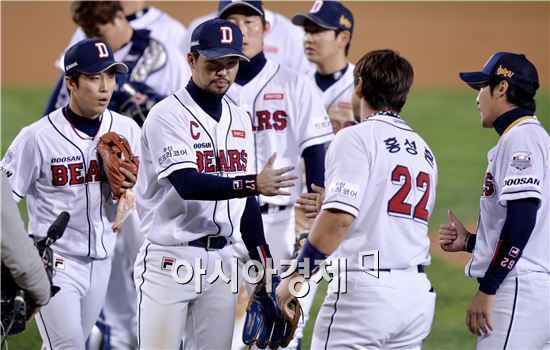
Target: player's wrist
(469,242)
(245,185)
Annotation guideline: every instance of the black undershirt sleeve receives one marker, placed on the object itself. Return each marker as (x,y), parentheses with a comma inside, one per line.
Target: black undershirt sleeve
(314,159)
(521,217)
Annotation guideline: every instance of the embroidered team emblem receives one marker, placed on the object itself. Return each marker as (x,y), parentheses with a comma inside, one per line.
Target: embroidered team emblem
(521,161)
(167,263)
(274,96)
(59,263)
(238,133)
(514,252)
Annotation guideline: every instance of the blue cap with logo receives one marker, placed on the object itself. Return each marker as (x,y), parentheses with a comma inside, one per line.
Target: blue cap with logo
(514,68)
(225,5)
(327,14)
(91,56)
(218,38)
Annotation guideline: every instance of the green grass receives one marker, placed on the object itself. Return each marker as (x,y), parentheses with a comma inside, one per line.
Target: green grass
(448,120)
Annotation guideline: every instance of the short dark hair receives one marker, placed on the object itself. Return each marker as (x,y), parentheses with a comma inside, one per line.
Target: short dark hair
(387,78)
(88,14)
(516,96)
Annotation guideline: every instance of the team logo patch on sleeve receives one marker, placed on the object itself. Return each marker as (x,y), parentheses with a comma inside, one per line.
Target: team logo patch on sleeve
(521,161)
(514,252)
(344,188)
(167,263)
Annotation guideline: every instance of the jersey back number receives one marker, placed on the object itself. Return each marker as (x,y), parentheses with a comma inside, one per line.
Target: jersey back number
(399,206)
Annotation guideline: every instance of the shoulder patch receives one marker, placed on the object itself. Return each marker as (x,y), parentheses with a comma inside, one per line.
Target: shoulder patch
(347,189)
(521,160)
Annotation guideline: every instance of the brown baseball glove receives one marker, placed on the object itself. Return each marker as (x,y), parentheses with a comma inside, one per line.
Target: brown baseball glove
(115,153)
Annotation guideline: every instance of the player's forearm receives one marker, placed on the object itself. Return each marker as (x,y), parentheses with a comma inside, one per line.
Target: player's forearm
(328,231)
(192,185)
(520,221)
(314,161)
(252,231)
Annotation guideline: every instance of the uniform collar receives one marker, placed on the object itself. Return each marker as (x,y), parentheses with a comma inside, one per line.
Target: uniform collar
(248,70)
(506,119)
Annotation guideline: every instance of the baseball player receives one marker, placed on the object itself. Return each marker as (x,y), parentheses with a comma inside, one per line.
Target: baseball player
(329,27)
(163,27)
(380,192)
(510,255)
(156,69)
(197,168)
(282,42)
(54,164)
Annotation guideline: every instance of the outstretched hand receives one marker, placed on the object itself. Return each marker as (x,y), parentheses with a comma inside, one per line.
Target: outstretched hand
(311,202)
(452,236)
(271,181)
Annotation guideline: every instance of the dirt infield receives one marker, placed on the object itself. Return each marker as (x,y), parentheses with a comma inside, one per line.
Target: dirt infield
(439,38)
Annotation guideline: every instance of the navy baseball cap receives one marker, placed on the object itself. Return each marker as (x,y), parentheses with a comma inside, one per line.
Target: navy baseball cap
(218,38)
(327,14)
(225,5)
(516,69)
(91,56)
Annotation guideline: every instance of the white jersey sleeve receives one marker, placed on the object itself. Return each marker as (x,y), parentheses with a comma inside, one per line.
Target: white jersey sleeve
(21,163)
(523,165)
(169,148)
(345,185)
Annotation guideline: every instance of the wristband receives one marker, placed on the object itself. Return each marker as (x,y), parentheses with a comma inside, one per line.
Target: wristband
(313,255)
(262,254)
(245,186)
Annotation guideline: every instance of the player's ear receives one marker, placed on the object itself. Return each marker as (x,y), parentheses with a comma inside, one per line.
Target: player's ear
(191,60)
(359,88)
(501,88)
(70,83)
(267,26)
(344,37)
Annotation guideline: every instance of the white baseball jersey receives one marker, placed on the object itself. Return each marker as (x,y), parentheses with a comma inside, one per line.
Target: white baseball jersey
(287,117)
(56,168)
(282,44)
(337,99)
(519,167)
(163,27)
(162,67)
(385,175)
(178,134)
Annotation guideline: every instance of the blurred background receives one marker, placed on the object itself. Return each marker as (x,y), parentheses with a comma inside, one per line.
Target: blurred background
(440,39)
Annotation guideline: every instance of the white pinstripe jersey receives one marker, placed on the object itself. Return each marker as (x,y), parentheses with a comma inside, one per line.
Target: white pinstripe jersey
(56,168)
(287,117)
(518,167)
(178,134)
(384,174)
(337,99)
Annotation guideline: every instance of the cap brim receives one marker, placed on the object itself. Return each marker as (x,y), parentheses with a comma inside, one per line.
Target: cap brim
(300,19)
(475,80)
(225,52)
(103,66)
(239,3)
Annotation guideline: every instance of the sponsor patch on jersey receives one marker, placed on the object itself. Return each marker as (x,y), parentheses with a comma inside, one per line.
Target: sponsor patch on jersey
(344,188)
(168,263)
(514,252)
(526,180)
(238,133)
(521,161)
(58,263)
(271,49)
(274,96)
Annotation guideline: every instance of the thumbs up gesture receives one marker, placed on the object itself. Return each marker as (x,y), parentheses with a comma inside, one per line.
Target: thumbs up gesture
(453,235)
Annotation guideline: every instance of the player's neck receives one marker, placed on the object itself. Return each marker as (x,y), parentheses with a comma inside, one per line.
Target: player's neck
(332,65)
(209,102)
(75,110)
(367,111)
(248,70)
(324,81)
(125,36)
